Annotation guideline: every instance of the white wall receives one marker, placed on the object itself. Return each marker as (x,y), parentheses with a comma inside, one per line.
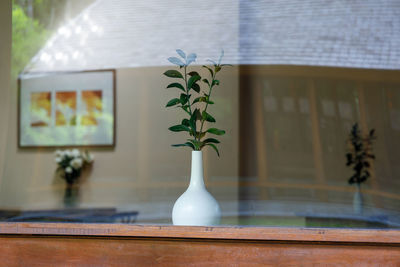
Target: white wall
(143,167)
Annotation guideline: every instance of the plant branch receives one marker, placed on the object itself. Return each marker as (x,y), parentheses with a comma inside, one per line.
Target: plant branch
(197,118)
(188,102)
(205,109)
(187,91)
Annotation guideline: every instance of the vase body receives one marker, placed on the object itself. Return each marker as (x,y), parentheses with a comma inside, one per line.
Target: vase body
(196,206)
(71,196)
(357,200)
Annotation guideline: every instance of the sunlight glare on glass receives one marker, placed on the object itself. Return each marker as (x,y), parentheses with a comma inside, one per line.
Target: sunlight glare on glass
(78,29)
(45,57)
(59,56)
(82,41)
(65,59)
(75,54)
(49,44)
(94,28)
(62,30)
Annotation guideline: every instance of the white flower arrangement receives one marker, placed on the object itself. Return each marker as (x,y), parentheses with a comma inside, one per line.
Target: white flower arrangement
(71,163)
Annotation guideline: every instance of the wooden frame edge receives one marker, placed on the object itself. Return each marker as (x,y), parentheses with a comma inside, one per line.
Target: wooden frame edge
(376,236)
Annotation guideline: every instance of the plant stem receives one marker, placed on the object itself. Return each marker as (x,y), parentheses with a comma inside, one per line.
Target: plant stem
(190,105)
(187,92)
(205,109)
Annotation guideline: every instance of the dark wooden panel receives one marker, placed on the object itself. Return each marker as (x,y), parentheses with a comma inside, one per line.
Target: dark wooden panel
(372,75)
(67,244)
(75,251)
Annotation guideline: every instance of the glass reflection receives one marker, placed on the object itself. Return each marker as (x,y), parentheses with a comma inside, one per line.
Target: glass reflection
(301,78)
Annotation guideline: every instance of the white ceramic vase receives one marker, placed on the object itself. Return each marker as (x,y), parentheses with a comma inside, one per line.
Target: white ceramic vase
(357,201)
(196,206)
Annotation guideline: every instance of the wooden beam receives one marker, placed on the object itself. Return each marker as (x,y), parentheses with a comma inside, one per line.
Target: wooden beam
(75,251)
(323,72)
(316,134)
(364,236)
(260,134)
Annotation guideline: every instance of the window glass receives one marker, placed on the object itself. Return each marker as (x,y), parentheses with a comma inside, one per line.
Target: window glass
(308,100)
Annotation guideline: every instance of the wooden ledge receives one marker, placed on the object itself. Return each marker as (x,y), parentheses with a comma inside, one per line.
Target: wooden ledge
(200,232)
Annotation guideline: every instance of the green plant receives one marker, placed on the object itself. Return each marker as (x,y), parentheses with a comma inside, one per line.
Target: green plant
(194,101)
(28,35)
(360,154)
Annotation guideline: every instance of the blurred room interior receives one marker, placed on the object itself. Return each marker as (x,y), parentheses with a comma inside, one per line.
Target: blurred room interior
(303,73)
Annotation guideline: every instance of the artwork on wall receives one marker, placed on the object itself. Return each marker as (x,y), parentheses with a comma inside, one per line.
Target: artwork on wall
(67,109)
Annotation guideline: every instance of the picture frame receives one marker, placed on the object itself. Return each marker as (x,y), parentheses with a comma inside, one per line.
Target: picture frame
(67,109)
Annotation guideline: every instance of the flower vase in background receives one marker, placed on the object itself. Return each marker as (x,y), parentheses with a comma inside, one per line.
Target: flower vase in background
(71,196)
(70,165)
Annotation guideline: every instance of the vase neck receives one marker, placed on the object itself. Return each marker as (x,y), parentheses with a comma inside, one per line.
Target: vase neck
(196,177)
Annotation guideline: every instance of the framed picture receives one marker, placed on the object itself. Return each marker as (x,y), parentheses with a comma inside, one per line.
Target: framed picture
(67,109)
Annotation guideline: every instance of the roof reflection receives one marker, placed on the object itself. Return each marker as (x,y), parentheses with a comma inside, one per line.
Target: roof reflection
(125,33)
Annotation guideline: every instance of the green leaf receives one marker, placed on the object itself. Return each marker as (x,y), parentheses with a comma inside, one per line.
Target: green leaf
(193,80)
(176,61)
(181,53)
(209,69)
(197,114)
(184,99)
(185,144)
(173,74)
(192,73)
(185,122)
(177,85)
(202,99)
(207,117)
(192,124)
(217,69)
(194,118)
(200,135)
(211,140)
(179,128)
(186,108)
(191,58)
(198,99)
(215,131)
(215,82)
(196,87)
(206,81)
(178,145)
(215,148)
(173,102)
(197,144)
